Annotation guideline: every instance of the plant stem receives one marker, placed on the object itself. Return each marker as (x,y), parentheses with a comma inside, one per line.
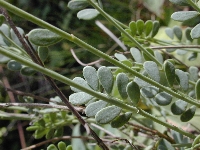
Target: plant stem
(98,95)
(110,19)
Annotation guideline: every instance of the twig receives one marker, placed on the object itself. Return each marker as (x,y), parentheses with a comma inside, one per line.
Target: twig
(37,60)
(107,31)
(154,132)
(80,62)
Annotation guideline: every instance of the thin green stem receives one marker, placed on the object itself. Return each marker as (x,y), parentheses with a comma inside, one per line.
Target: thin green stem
(93,50)
(98,95)
(110,19)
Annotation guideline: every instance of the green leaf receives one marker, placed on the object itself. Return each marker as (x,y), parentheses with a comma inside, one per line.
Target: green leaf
(79,81)
(188,114)
(79,98)
(106,78)
(146,56)
(178,32)
(181,52)
(192,56)
(169,70)
(180,2)
(187,34)
(140,26)
(59,132)
(77,4)
(154,6)
(27,71)
(120,57)
(169,32)
(136,55)
(133,91)
(43,37)
(14,65)
(133,27)
(92,109)
(87,14)
(69,147)
(195,32)
(149,92)
(107,114)
(52,147)
(156,26)
(184,15)
(193,73)
(122,81)
(38,134)
(61,145)
(163,98)
(50,134)
(148,27)
(152,70)
(178,107)
(43,53)
(91,77)
(158,56)
(120,120)
(183,78)
(197,89)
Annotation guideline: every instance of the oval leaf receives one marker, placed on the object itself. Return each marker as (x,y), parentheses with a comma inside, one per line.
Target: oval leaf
(122,81)
(178,32)
(195,32)
(193,73)
(192,56)
(148,27)
(152,70)
(183,78)
(188,114)
(169,32)
(43,53)
(136,55)
(140,26)
(133,91)
(79,81)
(163,98)
(87,14)
(133,28)
(184,15)
(180,2)
(197,89)
(107,114)
(169,72)
(77,4)
(91,77)
(92,109)
(158,56)
(119,121)
(156,26)
(187,34)
(14,37)
(27,71)
(62,145)
(120,57)
(106,78)
(14,65)
(178,107)
(43,37)
(149,92)
(79,98)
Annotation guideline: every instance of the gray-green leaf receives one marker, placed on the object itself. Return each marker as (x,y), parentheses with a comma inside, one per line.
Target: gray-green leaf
(163,98)
(79,98)
(122,81)
(169,72)
(136,55)
(87,14)
(178,32)
(152,70)
(178,107)
(133,91)
(188,114)
(43,37)
(183,78)
(94,107)
(195,32)
(184,15)
(107,114)
(169,32)
(119,121)
(197,90)
(91,77)
(77,4)
(79,81)
(149,91)
(106,78)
